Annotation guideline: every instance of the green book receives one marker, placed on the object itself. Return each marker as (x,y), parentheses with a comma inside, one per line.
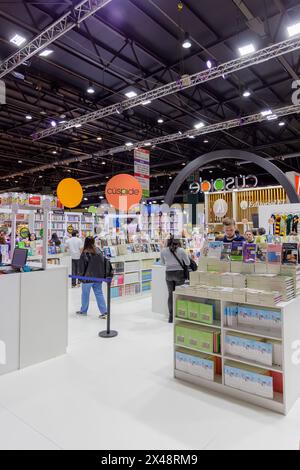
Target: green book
(182,308)
(206,313)
(193,311)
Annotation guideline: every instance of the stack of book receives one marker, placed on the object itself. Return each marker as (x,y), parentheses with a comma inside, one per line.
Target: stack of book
(249,379)
(263,297)
(257,318)
(203,339)
(254,348)
(294,272)
(200,365)
(271,282)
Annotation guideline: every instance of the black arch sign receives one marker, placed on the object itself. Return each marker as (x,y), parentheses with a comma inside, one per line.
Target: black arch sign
(236,155)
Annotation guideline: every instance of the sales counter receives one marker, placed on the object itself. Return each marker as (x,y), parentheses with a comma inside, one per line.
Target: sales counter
(33,317)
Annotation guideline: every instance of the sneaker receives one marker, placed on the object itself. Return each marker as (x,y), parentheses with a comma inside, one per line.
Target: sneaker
(81,313)
(103,317)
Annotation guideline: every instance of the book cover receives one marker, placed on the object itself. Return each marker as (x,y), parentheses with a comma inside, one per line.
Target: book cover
(237,251)
(215,249)
(261,252)
(290,254)
(274,253)
(249,253)
(226,252)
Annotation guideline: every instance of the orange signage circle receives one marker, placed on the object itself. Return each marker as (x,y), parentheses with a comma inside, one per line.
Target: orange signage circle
(123,191)
(70,192)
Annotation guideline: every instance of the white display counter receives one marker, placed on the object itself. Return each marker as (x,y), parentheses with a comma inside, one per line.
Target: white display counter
(33,317)
(159,290)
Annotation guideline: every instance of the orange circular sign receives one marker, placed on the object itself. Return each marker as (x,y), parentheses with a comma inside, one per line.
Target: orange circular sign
(123,191)
(70,192)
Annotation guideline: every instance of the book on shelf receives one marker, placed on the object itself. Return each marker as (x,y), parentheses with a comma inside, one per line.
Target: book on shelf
(274,254)
(251,348)
(249,379)
(290,253)
(249,253)
(237,251)
(215,250)
(226,252)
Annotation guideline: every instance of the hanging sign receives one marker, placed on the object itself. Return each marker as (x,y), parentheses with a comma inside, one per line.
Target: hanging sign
(224,184)
(123,191)
(70,192)
(220,208)
(297,182)
(142,169)
(24,232)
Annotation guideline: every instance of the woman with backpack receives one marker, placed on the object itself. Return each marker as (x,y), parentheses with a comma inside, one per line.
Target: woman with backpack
(93,266)
(177,263)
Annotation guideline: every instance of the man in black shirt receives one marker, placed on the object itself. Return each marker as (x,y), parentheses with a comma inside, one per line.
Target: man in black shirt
(230,232)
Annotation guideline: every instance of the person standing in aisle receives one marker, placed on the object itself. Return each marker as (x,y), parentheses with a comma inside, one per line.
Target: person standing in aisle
(74,246)
(175,259)
(230,232)
(92,266)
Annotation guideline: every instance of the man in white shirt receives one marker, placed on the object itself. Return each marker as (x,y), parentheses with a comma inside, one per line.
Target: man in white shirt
(74,246)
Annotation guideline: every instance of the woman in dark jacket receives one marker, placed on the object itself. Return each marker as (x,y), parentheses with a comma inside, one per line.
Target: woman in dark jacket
(92,266)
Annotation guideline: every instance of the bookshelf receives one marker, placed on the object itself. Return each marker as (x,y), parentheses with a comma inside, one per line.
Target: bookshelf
(60,222)
(288,336)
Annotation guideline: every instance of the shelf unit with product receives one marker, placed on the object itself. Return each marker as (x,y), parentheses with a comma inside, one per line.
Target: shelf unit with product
(63,222)
(133,274)
(269,378)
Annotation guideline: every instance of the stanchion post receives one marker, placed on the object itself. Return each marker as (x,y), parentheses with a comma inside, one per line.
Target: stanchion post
(108,333)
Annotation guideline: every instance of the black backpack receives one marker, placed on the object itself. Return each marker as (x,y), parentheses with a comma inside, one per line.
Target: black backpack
(108,267)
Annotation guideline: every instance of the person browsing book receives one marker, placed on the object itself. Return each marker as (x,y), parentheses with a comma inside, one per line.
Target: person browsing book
(175,259)
(230,234)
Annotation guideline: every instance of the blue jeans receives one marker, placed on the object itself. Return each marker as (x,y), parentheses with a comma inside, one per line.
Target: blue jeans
(85,297)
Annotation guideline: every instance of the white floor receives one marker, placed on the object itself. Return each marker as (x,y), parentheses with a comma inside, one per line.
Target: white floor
(120,394)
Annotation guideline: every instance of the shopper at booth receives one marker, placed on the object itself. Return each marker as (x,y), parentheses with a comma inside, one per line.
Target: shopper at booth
(92,267)
(175,259)
(230,232)
(249,236)
(74,246)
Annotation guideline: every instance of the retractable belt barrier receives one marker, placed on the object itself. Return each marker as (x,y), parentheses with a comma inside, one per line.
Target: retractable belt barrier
(108,333)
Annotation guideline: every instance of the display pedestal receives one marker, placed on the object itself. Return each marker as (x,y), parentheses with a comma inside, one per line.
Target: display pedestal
(159,290)
(33,317)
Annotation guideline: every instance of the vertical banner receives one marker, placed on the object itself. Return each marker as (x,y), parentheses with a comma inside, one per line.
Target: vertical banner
(142,169)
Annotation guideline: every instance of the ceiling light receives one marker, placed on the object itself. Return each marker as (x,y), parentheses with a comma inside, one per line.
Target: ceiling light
(20,161)
(54,152)
(78,125)
(144,103)
(101,197)
(210,171)
(90,89)
(191,136)
(17,39)
(209,64)
(99,138)
(45,53)
(267,112)
(247,49)
(246,94)
(129,144)
(187,44)
(272,117)
(28,117)
(160,120)
(86,198)
(40,176)
(103,163)
(199,125)
(183,164)
(69,171)
(53,123)
(131,94)
(62,122)
(170,177)
(293,29)
(43,112)
(281,123)
(205,141)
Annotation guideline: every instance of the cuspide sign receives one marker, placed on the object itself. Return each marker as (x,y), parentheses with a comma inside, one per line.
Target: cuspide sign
(224,184)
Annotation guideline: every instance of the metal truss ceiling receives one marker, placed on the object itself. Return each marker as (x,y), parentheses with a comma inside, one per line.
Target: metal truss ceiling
(183,83)
(222,126)
(64,24)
